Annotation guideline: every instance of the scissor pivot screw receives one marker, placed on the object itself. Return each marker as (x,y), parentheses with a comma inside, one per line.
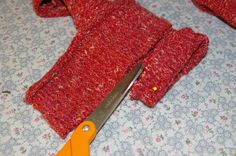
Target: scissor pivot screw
(85,128)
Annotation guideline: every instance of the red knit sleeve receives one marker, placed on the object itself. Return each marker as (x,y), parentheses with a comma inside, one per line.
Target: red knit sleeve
(175,55)
(93,64)
(224,9)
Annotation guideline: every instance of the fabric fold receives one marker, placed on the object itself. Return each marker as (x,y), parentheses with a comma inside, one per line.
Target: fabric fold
(50,8)
(87,13)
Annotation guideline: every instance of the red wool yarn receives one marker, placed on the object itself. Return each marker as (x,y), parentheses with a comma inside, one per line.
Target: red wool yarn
(224,9)
(112,37)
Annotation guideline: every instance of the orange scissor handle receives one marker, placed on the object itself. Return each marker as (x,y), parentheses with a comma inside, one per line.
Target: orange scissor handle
(78,144)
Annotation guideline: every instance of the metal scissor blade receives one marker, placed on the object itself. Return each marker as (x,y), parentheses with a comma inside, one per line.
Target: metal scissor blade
(111,102)
(83,135)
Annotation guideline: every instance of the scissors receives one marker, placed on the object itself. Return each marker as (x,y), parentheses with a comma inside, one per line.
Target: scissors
(83,135)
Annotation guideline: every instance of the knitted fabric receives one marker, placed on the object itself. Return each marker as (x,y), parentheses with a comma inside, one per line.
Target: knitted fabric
(50,8)
(224,9)
(105,48)
(171,58)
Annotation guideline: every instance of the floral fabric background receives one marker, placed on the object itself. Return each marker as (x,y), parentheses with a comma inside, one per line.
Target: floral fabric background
(196,117)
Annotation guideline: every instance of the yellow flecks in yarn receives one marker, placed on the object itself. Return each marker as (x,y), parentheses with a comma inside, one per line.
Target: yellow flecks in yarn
(154,88)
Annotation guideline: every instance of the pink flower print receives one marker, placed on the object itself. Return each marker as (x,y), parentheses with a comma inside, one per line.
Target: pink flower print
(224,118)
(159,138)
(194,113)
(106,149)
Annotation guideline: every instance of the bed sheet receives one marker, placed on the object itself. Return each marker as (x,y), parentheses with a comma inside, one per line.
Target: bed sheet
(196,117)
